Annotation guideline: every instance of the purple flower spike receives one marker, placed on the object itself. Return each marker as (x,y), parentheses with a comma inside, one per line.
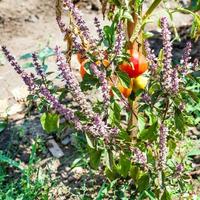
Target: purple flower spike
(139,156)
(77,15)
(186,58)
(162,146)
(99,126)
(175,81)
(62,26)
(28,80)
(151,58)
(66,112)
(98,26)
(167,45)
(167,51)
(146,98)
(72,83)
(179,169)
(38,67)
(11,60)
(120,39)
(77,45)
(104,84)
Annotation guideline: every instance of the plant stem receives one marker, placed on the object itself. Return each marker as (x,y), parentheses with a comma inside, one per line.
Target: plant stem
(166,109)
(151,9)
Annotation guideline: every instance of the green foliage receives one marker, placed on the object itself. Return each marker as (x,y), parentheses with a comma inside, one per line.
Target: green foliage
(124,79)
(195,5)
(22,187)
(50,122)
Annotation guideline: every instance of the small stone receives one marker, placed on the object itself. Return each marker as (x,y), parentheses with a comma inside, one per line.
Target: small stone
(67,133)
(55,150)
(54,164)
(194,132)
(66,140)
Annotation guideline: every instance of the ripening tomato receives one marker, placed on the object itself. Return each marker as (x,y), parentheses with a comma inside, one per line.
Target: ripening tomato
(137,66)
(82,69)
(105,63)
(139,83)
(126,92)
(81,57)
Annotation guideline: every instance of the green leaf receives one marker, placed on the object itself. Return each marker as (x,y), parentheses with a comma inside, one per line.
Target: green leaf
(13,163)
(179,121)
(195,5)
(114,113)
(196,75)
(166,196)
(134,173)
(45,53)
(77,162)
(124,165)
(95,157)
(28,65)
(150,194)
(149,133)
(109,32)
(141,122)
(193,95)
(147,34)
(108,156)
(171,146)
(116,92)
(124,79)
(25,56)
(111,175)
(194,152)
(143,183)
(32,157)
(50,122)
(3,125)
(90,141)
(123,135)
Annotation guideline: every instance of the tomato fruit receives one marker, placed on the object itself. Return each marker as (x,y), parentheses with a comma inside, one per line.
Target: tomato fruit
(126,92)
(105,63)
(81,57)
(137,66)
(82,69)
(139,83)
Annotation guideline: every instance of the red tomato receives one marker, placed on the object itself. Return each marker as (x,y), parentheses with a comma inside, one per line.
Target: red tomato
(138,64)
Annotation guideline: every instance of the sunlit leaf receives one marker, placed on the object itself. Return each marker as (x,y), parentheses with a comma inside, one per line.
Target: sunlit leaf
(50,122)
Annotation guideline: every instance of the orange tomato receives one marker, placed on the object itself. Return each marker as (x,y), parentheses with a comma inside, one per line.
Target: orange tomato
(126,92)
(137,66)
(81,57)
(82,69)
